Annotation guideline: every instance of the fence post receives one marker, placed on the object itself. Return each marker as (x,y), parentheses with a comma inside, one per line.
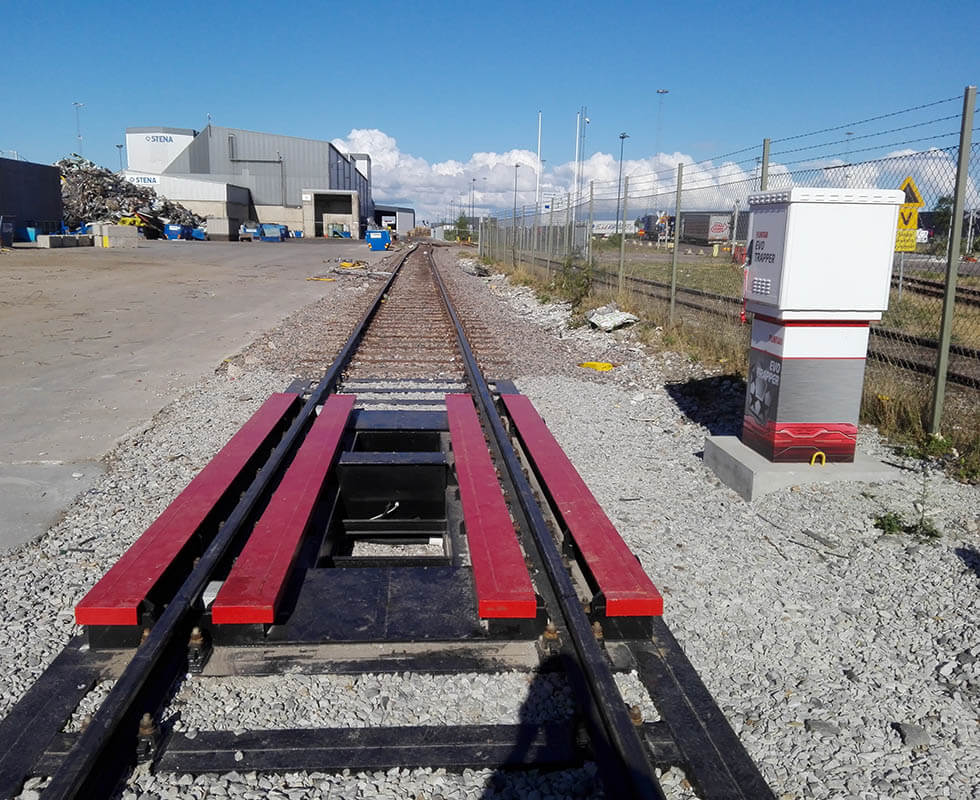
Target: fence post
(588,232)
(622,233)
(677,241)
(551,225)
(764,175)
(519,238)
(953,262)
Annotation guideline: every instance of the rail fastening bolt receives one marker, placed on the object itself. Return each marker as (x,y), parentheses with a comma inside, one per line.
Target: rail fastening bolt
(636,716)
(148,727)
(550,631)
(597,632)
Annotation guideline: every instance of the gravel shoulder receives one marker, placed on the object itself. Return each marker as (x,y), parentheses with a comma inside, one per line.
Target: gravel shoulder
(846,659)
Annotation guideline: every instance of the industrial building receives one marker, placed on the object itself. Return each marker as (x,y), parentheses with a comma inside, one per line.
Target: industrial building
(232,176)
(30,199)
(399,218)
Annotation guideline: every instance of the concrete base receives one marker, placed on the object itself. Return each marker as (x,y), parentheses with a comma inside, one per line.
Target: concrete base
(751,475)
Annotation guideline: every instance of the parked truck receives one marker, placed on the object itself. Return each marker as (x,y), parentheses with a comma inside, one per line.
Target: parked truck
(702,227)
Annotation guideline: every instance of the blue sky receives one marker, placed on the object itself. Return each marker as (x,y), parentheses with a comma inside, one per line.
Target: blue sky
(433,84)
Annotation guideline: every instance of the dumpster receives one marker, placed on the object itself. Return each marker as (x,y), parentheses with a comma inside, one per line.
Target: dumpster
(178,231)
(270,232)
(378,239)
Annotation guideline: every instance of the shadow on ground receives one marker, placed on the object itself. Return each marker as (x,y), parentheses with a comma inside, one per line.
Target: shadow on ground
(716,403)
(970,556)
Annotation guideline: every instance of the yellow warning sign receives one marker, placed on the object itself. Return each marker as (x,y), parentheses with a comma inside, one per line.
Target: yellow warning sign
(905,241)
(912,196)
(908,217)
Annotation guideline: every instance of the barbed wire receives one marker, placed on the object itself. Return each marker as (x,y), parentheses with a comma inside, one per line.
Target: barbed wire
(873,147)
(864,121)
(865,136)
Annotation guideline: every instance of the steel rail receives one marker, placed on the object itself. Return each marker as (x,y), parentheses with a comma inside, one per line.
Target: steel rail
(82,770)
(634,770)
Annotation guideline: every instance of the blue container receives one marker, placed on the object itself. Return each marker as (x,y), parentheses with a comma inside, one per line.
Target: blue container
(199,234)
(270,232)
(297,234)
(378,239)
(178,232)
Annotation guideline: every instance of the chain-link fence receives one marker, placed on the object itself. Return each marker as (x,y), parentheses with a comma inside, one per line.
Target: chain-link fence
(576,240)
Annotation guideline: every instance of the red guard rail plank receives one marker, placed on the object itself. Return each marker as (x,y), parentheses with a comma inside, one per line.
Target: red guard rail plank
(503,586)
(116,598)
(257,580)
(626,587)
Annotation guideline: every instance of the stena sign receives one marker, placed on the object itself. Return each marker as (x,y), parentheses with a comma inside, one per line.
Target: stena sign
(143,180)
(150,152)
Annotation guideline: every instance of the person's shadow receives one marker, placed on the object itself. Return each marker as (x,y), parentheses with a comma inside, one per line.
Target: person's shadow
(546,756)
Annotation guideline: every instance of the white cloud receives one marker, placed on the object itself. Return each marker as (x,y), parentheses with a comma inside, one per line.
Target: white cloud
(431,188)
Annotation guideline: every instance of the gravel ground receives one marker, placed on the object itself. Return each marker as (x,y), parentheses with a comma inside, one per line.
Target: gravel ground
(846,659)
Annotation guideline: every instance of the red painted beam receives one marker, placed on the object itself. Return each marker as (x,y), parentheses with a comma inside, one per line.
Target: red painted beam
(257,580)
(628,590)
(115,599)
(503,586)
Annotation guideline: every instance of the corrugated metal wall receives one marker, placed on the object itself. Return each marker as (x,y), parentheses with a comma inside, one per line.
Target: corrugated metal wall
(275,168)
(30,192)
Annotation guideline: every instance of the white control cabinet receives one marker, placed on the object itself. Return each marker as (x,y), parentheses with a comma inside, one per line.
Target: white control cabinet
(821,253)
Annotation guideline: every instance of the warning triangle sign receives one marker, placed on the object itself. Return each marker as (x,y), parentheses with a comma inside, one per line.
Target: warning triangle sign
(912,196)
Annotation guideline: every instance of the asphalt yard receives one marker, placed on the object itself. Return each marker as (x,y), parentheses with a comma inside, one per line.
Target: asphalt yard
(93,342)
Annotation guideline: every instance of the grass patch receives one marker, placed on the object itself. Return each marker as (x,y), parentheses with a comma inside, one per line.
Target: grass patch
(899,404)
(921,315)
(893,523)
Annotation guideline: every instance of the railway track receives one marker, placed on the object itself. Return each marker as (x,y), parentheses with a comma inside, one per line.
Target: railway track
(403,513)
(930,288)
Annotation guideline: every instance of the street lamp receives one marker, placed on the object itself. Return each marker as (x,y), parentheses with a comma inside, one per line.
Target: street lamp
(472,195)
(581,169)
(619,189)
(78,126)
(660,110)
(119,147)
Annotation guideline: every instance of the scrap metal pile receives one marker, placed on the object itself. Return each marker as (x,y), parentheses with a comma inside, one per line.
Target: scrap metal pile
(91,193)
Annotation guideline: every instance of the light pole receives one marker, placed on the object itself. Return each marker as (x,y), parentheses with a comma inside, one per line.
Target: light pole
(660,112)
(537,179)
(472,195)
(581,169)
(119,147)
(619,187)
(78,126)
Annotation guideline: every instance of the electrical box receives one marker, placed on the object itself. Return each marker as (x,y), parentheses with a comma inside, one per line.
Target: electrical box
(821,253)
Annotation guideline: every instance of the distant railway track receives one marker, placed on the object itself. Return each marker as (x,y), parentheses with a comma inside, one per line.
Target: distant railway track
(965,295)
(286,555)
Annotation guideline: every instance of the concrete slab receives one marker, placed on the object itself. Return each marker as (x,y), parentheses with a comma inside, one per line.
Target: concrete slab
(35,495)
(94,342)
(741,468)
